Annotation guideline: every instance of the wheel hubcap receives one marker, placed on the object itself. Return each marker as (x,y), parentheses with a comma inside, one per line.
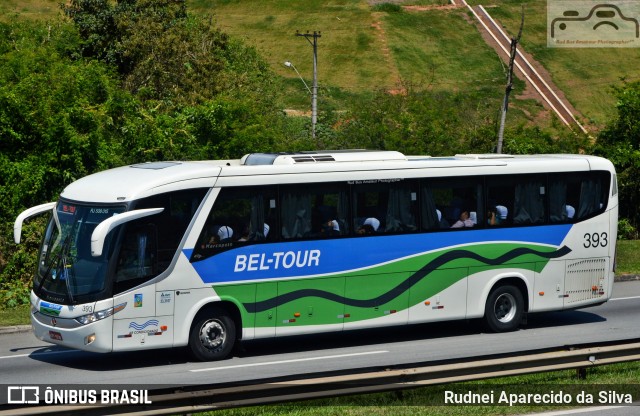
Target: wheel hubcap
(212,335)
(505,308)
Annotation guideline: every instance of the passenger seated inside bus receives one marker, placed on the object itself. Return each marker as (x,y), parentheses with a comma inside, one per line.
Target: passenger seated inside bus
(370,226)
(571,212)
(374,223)
(492,217)
(497,215)
(502,212)
(247,235)
(330,228)
(222,234)
(365,229)
(464,221)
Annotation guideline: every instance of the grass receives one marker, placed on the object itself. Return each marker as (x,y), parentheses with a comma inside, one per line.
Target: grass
(15,316)
(29,9)
(363,50)
(585,75)
(360,50)
(627,259)
(349,50)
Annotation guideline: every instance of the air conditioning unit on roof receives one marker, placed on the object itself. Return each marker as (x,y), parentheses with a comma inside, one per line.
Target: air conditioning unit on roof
(321,157)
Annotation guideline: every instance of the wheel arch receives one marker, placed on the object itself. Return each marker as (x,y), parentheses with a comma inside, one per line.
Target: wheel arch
(514,279)
(518,282)
(228,306)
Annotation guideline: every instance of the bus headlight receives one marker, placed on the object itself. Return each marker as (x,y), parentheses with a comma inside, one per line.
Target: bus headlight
(99,315)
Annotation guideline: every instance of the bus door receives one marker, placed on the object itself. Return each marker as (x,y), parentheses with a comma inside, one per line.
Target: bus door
(138,324)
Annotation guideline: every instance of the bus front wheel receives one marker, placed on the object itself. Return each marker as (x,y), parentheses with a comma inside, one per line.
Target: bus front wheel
(504,309)
(212,335)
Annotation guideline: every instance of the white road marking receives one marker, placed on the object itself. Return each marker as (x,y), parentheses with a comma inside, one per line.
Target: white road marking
(35,354)
(298,360)
(630,297)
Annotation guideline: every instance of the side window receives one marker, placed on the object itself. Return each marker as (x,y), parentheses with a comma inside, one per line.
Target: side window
(594,194)
(456,202)
(500,201)
(516,200)
(240,216)
(386,206)
(564,197)
(149,244)
(575,196)
(314,211)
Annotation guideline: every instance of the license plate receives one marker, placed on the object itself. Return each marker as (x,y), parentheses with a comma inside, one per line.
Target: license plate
(55,335)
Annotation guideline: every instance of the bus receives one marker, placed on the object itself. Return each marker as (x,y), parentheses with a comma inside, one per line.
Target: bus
(205,254)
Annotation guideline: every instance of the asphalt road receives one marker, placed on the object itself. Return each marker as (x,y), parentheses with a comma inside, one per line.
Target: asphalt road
(26,360)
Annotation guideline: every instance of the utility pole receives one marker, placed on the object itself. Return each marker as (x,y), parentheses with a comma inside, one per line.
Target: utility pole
(505,104)
(314,89)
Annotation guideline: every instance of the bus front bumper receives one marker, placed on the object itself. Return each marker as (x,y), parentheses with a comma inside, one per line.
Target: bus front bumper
(94,337)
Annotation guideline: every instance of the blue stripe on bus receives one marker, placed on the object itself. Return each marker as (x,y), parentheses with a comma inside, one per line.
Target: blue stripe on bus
(302,258)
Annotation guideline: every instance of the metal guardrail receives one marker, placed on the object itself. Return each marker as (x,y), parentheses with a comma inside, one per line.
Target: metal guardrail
(261,392)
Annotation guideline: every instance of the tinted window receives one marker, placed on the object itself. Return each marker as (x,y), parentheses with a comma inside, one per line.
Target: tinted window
(451,203)
(239,216)
(388,206)
(149,244)
(314,211)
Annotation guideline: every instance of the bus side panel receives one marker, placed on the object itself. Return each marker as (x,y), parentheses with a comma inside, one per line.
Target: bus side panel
(138,326)
(586,282)
(548,292)
(309,305)
(258,317)
(372,301)
(588,272)
(440,296)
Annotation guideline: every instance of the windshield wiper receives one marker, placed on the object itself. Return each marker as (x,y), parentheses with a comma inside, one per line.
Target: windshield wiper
(56,262)
(66,274)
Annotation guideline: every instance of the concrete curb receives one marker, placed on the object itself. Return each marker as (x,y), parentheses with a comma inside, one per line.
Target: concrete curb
(627,278)
(14,329)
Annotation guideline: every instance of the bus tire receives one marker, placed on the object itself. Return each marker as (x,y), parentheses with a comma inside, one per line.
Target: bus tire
(504,309)
(212,335)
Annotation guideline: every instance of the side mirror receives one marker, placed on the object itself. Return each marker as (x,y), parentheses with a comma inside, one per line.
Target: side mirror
(100,232)
(39,209)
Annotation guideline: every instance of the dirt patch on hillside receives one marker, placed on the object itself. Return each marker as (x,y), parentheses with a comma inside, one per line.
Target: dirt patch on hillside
(431,7)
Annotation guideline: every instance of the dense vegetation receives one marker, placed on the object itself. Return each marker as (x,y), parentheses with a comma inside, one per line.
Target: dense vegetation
(140,80)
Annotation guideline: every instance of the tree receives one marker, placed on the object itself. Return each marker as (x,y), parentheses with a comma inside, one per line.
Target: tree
(620,142)
(64,115)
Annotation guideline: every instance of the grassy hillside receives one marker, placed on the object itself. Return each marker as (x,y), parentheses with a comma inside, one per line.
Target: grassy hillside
(585,75)
(364,48)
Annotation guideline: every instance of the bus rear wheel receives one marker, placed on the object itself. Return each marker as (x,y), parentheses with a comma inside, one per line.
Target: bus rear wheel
(504,309)
(212,335)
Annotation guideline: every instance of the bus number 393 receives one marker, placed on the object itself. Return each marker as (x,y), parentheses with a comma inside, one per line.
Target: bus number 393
(595,240)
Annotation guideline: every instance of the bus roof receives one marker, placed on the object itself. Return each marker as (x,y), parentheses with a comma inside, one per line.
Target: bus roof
(141,180)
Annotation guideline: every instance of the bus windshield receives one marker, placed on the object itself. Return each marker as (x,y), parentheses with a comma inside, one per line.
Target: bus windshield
(66,268)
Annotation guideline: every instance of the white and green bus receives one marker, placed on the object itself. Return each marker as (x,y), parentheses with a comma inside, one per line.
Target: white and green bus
(204,254)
